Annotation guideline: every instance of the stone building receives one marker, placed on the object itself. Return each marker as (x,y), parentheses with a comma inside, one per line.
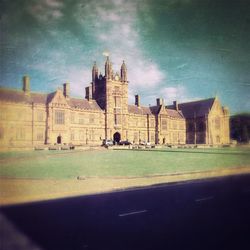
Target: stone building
(29,119)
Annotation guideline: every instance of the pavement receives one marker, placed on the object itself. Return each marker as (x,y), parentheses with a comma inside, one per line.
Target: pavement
(201,214)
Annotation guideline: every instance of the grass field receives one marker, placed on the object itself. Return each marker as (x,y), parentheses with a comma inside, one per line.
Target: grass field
(115,163)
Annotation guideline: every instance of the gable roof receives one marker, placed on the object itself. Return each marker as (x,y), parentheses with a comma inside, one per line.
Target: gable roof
(83,104)
(139,110)
(18,96)
(195,109)
(153,110)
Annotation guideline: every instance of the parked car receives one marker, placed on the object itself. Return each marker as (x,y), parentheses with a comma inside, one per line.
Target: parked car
(107,142)
(125,143)
(144,143)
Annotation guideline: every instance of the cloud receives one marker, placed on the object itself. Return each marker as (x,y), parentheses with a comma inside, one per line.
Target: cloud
(46,10)
(115,29)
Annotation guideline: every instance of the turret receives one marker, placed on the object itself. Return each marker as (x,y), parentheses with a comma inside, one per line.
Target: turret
(108,69)
(123,72)
(94,73)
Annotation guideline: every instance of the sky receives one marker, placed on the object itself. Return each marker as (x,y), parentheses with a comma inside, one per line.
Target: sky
(180,50)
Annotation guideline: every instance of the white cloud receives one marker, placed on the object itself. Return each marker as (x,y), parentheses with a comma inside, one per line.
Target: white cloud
(115,30)
(46,10)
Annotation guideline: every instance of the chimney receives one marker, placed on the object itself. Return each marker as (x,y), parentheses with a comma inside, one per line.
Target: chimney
(26,84)
(88,93)
(159,101)
(66,90)
(137,100)
(176,106)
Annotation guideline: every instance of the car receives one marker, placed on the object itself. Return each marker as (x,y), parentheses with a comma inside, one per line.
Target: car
(144,143)
(125,143)
(107,142)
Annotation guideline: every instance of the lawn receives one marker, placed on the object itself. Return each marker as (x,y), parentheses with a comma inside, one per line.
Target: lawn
(117,163)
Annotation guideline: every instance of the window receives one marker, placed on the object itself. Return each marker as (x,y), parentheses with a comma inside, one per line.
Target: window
(217,123)
(181,125)
(174,124)
(117,101)
(91,118)
(20,134)
(152,138)
(72,135)
(40,115)
(81,119)
(152,123)
(59,117)
(136,137)
(117,119)
(72,117)
(39,135)
(117,89)
(164,124)
(81,135)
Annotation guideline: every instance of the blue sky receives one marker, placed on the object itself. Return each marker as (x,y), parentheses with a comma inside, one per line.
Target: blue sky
(175,49)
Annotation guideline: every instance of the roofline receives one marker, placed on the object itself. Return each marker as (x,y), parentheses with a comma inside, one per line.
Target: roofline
(201,100)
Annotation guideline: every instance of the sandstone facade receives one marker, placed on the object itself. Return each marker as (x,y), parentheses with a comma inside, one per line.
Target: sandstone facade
(30,119)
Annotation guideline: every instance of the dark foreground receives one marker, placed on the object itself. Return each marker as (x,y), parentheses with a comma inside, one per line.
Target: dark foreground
(210,214)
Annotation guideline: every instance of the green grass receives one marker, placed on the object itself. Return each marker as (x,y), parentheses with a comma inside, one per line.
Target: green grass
(108,163)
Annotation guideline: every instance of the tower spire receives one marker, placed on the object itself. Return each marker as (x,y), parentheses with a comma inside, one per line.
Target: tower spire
(108,69)
(94,72)
(124,72)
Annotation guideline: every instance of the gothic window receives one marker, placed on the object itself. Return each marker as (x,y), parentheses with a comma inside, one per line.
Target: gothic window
(40,115)
(174,124)
(72,117)
(181,137)
(72,135)
(135,136)
(217,123)
(175,137)
(39,135)
(59,117)
(181,125)
(20,134)
(81,135)
(91,118)
(152,138)
(117,89)
(81,119)
(117,101)
(164,124)
(142,136)
(152,123)
(117,119)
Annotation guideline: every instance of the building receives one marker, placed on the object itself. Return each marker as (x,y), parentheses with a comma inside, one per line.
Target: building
(30,119)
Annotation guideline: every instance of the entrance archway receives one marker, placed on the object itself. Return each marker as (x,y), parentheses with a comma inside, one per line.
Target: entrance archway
(117,137)
(59,139)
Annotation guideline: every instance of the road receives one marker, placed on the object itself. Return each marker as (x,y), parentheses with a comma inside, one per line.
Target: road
(207,214)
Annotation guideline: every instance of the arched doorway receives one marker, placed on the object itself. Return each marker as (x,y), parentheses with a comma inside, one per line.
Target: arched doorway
(59,139)
(117,137)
